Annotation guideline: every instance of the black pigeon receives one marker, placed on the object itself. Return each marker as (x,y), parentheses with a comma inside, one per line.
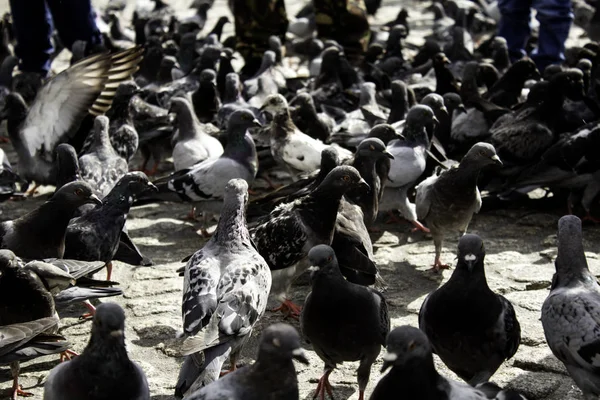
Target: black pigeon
(446,203)
(305,117)
(61,105)
(41,233)
(413,374)
(101,166)
(471,328)
(104,369)
(67,165)
(506,92)
(279,345)
(446,83)
(205,99)
(285,236)
(95,236)
(570,313)
(25,341)
(342,321)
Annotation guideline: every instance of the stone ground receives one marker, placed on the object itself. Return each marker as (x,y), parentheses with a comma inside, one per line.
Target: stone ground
(521,247)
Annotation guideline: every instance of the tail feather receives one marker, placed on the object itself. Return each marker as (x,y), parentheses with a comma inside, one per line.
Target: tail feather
(77,294)
(196,372)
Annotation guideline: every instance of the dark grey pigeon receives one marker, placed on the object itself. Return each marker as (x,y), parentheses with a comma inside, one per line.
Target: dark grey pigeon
(206,99)
(271,377)
(95,236)
(60,106)
(413,374)
(342,321)
(194,143)
(226,286)
(103,370)
(204,183)
(471,328)
(26,341)
(570,314)
(102,167)
(446,203)
(285,236)
(67,165)
(305,117)
(41,233)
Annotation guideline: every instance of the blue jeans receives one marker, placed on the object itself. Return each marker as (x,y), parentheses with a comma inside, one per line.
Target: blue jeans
(34,20)
(555,19)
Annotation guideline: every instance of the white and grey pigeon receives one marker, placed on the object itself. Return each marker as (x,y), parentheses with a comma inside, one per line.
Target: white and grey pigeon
(291,148)
(271,377)
(103,370)
(409,162)
(60,106)
(413,374)
(446,202)
(204,183)
(571,313)
(226,286)
(194,144)
(286,235)
(101,166)
(471,328)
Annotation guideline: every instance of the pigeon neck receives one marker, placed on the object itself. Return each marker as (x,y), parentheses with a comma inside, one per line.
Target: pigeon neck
(119,109)
(232,230)
(468,172)
(188,124)
(282,124)
(322,279)
(105,351)
(118,200)
(501,58)
(232,93)
(417,378)
(218,29)
(399,107)
(512,81)
(102,140)
(475,278)
(15,119)
(242,149)
(320,210)
(571,264)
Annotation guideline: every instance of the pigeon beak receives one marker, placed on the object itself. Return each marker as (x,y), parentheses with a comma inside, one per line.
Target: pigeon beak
(300,355)
(256,123)
(497,160)
(461,108)
(95,199)
(388,154)
(314,268)
(117,333)
(435,120)
(363,184)
(150,187)
(446,61)
(388,360)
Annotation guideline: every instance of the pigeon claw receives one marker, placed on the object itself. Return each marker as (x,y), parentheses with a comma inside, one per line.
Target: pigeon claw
(591,218)
(289,309)
(67,355)
(324,386)
(18,391)
(438,266)
(228,371)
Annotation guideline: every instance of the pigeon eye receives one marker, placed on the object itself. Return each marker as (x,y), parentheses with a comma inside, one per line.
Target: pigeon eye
(372,148)
(412,346)
(482,153)
(346,178)
(329,258)
(78,192)
(276,342)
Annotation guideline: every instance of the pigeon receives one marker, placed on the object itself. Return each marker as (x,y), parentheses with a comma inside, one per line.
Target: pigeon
(95,236)
(205,182)
(569,314)
(342,321)
(67,165)
(446,203)
(290,147)
(413,374)
(25,341)
(102,167)
(471,328)
(206,99)
(194,144)
(63,102)
(285,236)
(8,179)
(410,160)
(41,233)
(305,117)
(506,92)
(279,345)
(226,286)
(232,100)
(104,369)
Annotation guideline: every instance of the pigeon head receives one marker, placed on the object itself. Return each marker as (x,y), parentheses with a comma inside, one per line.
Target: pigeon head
(341,179)
(135,183)
(322,260)
(8,260)
(437,10)
(227,53)
(373,147)
(179,105)
(407,347)
(569,83)
(101,130)
(440,60)
(275,46)
(454,102)
(471,252)
(268,60)
(67,164)
(208,76)
(571,264)
(420,116)
(236,190)
(109,322)
(398,32)
(329,159)
(127,90)
(367,93)
(384,132)
(15,107)
(303,100)
(241,121)
(526,69)
(330,58)
(552,70)
(281,342)
(76,194)
(436,103)
(275,104)
(482,154)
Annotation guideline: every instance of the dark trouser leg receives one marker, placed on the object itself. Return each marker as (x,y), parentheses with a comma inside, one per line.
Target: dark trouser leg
(75,20)
(255,22)
(555,19)
(514,25)
(33,29)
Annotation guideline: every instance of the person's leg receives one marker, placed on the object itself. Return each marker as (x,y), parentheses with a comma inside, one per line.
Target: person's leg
(514,25)
(555,18)
(33,30)
(75,20)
